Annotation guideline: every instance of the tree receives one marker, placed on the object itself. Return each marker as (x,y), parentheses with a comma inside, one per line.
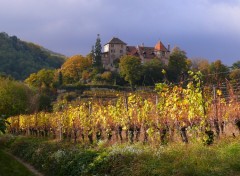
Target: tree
(131,69)
(60,78)
(15,98)
(107,77)
(203,66)
(19,59)
(3,124)
(153,72)
(218,72)
(236,65)
(97,53)
(178,65)
(235,75)
(199,64)
(73,68)
(43,79)
(235,72)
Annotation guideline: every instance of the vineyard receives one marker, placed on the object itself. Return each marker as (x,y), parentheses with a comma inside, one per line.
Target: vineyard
(186,111)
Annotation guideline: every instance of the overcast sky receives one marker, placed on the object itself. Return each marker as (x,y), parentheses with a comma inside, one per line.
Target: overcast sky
(203,28)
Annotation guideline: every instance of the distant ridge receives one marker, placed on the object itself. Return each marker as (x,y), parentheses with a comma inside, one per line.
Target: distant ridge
(19,59)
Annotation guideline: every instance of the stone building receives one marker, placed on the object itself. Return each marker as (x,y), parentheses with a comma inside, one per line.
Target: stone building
(112,52)
(116,48)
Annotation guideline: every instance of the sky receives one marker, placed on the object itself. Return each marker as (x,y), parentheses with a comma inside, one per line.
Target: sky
(208,29)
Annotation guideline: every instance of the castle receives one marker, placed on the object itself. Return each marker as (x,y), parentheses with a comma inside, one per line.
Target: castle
(116,48)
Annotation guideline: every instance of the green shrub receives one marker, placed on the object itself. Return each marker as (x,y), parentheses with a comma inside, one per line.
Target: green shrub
(6,140)
(56,158)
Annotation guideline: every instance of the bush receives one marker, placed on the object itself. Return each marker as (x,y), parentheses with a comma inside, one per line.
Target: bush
(53,158)
(6,140)
(56,158)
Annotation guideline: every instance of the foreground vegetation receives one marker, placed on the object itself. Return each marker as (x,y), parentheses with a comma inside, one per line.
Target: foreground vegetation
(59,158)
(10,167)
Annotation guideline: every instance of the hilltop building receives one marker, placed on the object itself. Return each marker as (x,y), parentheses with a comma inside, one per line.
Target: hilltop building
(116,48)
(113,51)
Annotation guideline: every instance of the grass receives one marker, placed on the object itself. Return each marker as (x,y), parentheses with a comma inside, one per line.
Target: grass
(196,159)
(175,159)
(10,167)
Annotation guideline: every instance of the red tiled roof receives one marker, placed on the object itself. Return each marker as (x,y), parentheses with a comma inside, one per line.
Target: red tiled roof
(132,50)
(160,47)
(146,52)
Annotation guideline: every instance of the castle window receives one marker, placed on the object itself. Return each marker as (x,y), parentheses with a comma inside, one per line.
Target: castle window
(112,45)
(121,51)
(144,53)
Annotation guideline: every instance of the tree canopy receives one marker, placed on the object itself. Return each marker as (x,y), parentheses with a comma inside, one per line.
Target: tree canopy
(235,72)
(218,72)
(153,72)
(236,65)
(75,68)
(131,69)
(15,98)
(178,64)
(42,79)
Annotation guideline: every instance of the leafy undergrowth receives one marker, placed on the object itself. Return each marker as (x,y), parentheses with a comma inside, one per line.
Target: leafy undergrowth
(9,166)
(55,158)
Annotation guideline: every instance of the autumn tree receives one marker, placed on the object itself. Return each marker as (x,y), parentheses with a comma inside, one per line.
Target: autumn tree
(107,76)
(43,79)
(72,70)
(235,73)
(202,65)
(199,64)
(131,69)
(218,72)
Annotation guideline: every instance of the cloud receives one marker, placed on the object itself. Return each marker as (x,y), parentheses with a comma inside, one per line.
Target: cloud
(71,26)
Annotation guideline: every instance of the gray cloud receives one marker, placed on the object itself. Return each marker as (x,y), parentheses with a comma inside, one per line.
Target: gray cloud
(203,28)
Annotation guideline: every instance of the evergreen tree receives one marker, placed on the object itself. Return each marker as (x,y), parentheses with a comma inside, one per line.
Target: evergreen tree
(97,53)
(92,55)
(60,78)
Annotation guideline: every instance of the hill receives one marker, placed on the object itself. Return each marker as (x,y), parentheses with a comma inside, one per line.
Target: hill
(19,58)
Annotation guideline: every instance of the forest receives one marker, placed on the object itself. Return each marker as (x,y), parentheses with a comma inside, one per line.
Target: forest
(19,59)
